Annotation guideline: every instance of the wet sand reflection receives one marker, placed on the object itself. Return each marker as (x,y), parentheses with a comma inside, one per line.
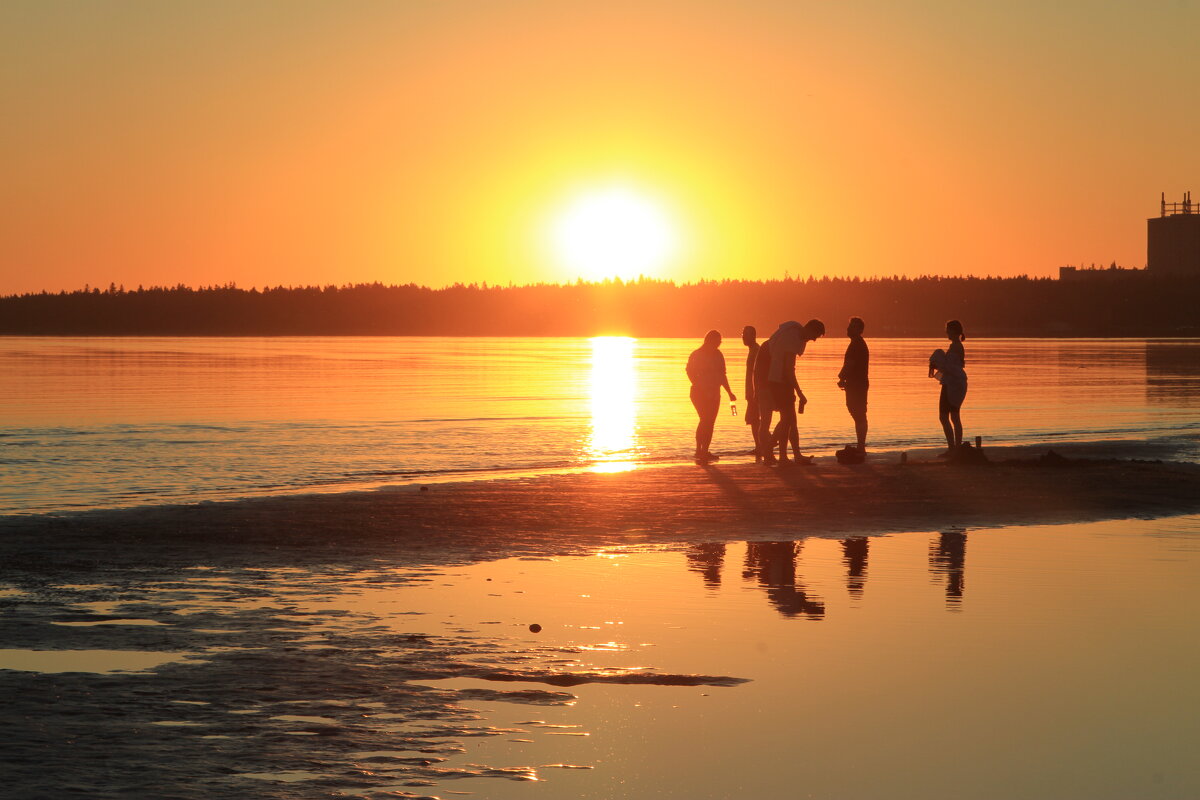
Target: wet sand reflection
(773,567)
(773,564)
(854,553)
(947,557)
(707,559)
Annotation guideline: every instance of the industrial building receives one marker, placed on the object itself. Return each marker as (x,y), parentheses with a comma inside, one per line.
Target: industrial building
(1172,247)
(1173,239)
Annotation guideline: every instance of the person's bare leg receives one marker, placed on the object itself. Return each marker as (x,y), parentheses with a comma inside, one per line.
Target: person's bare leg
(701,441)
(958,429)
(704,428)
(704,434)
(777,437)
(765,440)
(944,417)
(787,423)
(860,430)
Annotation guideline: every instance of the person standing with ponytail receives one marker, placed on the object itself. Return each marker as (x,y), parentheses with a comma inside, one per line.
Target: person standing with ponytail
(949,367)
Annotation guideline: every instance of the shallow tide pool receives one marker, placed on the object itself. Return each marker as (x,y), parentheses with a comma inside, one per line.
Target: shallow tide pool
(1052,661)
(1034,662)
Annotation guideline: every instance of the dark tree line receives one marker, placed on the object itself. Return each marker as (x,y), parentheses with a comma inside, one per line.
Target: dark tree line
(1136,305)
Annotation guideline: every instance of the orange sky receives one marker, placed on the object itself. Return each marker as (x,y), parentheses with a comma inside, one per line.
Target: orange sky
(309,143)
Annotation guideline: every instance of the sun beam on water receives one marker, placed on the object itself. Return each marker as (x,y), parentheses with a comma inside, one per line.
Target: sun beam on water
(614,416)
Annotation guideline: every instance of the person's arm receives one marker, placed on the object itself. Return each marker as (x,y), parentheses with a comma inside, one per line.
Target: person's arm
(799,393)
(751,358)
(725,378)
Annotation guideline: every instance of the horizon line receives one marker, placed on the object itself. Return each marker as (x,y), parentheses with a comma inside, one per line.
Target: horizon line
(115,288)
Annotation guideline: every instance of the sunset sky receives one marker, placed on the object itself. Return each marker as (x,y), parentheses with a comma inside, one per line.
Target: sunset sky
(296,142)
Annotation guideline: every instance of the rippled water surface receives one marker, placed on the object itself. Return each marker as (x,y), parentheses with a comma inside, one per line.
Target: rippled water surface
(115,422)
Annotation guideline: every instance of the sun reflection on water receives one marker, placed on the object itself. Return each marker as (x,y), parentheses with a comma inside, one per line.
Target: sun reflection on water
(613,387)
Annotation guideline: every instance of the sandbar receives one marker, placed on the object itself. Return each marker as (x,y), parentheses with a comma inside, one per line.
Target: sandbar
(569,513)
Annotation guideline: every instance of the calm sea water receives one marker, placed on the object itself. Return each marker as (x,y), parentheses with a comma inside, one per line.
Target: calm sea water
(108,422)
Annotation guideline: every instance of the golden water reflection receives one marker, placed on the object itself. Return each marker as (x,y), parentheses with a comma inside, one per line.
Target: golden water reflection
(613,387)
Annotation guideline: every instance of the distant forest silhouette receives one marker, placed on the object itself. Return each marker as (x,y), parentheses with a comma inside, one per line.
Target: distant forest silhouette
(1138,305)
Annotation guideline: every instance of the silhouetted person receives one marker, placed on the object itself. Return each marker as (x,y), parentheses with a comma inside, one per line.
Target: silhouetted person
(789,434)
(773,564)
(767,401)
(707,558)
(949,367)
(775,377)
(854,553)
(750,339)
(764,402)
(947,556)
(706,371)
(853,379)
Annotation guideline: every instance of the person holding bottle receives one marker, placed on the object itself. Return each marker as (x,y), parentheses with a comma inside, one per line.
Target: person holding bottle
(706,371)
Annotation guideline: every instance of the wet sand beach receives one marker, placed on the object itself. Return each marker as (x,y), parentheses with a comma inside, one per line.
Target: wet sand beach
(571,513)
(217,650)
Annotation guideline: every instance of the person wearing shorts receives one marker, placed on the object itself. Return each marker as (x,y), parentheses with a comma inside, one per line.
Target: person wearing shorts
(853,379)
(775,377)
(949,367)
(750,339)
(765,404)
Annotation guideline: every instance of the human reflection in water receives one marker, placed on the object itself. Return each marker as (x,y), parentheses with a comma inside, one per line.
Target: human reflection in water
(707,558)
(946,557)
(774,565)
(854,553)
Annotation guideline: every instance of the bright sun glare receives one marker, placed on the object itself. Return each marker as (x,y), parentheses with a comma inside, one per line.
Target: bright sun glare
(614,232)
(614,414)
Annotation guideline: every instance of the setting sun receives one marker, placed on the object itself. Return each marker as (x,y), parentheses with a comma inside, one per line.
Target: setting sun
(615,232)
